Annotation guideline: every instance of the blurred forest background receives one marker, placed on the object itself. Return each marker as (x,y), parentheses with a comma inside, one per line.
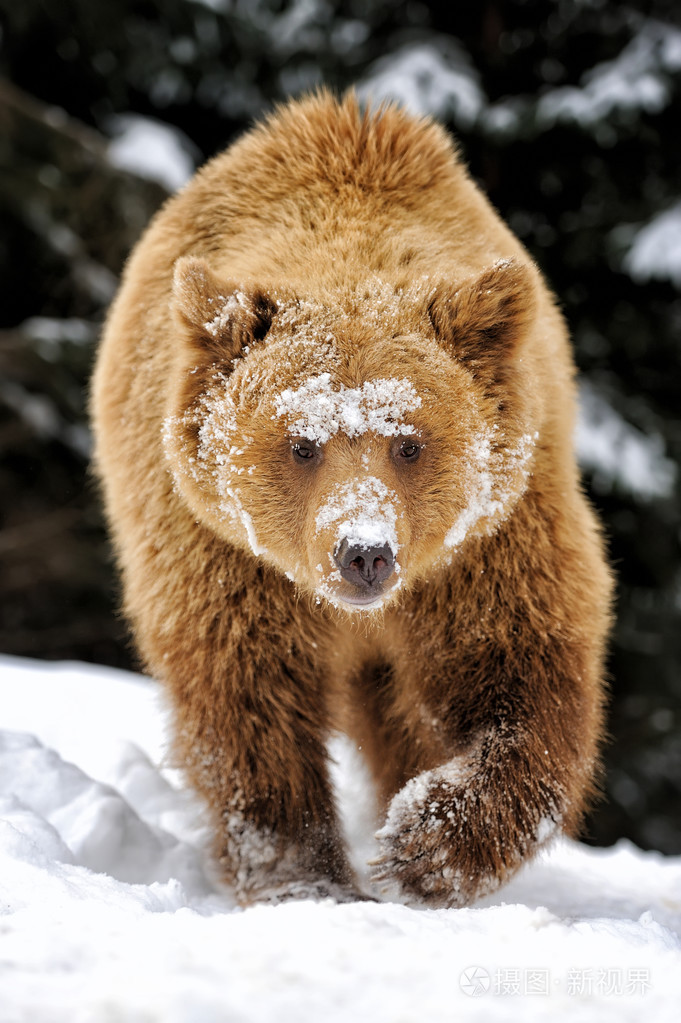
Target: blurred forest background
(569,113)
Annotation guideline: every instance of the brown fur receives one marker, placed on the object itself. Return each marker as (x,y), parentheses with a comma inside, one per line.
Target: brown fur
(328,241)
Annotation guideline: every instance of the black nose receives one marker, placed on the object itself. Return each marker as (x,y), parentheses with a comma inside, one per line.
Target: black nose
(364,566)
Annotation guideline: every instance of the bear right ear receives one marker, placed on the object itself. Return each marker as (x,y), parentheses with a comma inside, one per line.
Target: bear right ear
(217,317)
(484,321)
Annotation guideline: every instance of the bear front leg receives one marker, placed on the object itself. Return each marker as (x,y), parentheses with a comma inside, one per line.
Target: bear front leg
(524,743)
(259,759)
(275,845)
(250,707)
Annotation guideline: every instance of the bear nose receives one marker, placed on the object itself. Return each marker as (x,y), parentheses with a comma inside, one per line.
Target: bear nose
(364,566)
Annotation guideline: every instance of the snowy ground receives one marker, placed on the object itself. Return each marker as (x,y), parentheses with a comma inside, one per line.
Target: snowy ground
(108,912)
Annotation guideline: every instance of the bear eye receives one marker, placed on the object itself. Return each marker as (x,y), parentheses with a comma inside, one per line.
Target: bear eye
(408,449)
(304,451)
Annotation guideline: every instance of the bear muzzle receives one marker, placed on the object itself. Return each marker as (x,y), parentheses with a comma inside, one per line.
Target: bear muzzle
(368,568)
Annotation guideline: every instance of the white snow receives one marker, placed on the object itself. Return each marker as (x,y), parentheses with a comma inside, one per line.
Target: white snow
(43,417)
(151,149)
(655,249)
(54,332)
(317,409)
(438,78)
(235,304)
(637,79)
(109,912)
(435,78)
(495,476)
(219,446)
(452,776)
(618,455)
(213,5)
(363,512)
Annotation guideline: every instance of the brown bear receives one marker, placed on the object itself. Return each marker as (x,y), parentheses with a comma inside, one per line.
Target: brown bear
(333,411)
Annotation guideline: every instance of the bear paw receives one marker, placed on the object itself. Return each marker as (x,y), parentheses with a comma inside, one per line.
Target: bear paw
(317,890)
(443,843)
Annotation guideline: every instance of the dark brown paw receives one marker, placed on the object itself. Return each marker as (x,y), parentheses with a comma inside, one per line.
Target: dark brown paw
(444,842)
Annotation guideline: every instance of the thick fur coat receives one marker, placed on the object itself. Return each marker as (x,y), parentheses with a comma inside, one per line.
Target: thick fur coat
(333,410)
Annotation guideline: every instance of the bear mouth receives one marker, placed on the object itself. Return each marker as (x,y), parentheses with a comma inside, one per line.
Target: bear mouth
(362,598)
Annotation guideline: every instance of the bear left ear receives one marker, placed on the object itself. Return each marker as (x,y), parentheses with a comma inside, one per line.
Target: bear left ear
(483,321)
(217,317)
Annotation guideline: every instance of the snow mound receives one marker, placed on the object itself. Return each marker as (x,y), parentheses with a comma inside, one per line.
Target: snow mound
(109,911)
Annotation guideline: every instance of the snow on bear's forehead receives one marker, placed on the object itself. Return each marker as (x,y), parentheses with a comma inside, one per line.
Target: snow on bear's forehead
(319,408)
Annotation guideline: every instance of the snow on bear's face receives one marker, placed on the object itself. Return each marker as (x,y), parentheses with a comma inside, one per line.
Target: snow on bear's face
(343,444)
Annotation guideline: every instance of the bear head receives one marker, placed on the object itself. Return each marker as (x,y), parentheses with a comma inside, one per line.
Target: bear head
(354,439)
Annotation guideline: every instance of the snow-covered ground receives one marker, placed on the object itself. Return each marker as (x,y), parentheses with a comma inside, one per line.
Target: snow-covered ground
(108,911)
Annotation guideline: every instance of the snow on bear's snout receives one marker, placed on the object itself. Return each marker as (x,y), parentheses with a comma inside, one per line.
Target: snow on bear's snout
(359,521)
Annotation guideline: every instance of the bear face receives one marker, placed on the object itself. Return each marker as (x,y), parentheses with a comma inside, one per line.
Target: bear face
(286,436)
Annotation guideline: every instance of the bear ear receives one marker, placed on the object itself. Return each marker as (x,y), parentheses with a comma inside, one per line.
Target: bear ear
(483,321)
(217,317)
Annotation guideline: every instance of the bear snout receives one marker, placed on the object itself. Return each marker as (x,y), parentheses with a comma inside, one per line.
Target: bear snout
(366,567)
